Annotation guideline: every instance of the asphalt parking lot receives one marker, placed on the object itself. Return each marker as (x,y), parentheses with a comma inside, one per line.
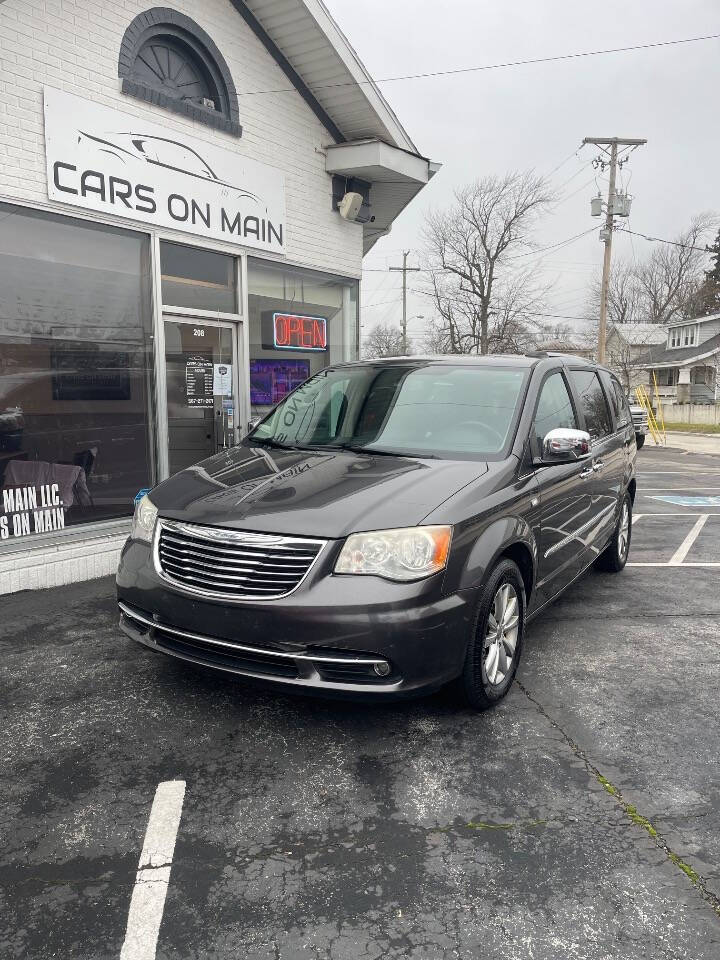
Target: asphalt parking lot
(581,819)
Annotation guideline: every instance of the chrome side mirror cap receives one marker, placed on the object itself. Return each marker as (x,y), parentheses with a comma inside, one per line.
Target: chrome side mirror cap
(564,446)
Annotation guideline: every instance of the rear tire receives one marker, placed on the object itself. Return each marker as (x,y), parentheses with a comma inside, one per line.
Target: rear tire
(640,440)
(614,557)
(496,640)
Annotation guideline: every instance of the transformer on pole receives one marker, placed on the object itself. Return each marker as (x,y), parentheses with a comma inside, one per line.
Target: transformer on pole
(617,205)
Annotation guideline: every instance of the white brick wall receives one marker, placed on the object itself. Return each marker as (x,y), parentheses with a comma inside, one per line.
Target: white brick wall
(64,561)
(73,45)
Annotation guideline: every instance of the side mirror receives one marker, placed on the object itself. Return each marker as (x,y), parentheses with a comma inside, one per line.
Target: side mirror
(565,446)
(253,423)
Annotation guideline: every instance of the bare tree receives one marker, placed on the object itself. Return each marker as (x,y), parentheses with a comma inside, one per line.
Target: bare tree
(625,294)
(556,332)
(668,285)
(384,341)
(672,277)
(470,249)
(515,324)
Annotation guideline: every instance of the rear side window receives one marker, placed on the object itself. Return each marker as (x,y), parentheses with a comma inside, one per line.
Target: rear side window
(610,394)
(593,403)
(623,410)
(554,409)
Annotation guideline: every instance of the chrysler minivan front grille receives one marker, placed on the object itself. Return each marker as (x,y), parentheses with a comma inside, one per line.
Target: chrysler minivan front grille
(233,564)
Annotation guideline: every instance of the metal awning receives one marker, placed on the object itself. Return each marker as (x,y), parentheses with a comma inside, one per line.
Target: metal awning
(395,175)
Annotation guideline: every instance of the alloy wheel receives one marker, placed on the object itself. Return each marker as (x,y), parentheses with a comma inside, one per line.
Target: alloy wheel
(624,531)
(501,634)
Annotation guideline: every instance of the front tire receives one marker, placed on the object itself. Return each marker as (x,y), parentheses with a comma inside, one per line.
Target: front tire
(640,440)
(496,642)
(614,557)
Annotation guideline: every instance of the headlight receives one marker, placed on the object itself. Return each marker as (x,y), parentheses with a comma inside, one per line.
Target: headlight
(409,553)
(144,519)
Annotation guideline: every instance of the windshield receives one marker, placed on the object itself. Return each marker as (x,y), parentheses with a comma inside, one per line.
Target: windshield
(436,410)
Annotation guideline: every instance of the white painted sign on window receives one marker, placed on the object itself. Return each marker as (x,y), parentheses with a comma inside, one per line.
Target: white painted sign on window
(101,159)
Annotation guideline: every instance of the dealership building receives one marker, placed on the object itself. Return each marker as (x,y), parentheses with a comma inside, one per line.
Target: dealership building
(186,196)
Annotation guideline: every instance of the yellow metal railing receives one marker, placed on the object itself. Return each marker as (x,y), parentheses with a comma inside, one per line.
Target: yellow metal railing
(657,431)
(659,406)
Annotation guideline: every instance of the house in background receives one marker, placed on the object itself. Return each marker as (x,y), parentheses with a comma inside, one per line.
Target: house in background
(686,363)
(576,347)
(626,348)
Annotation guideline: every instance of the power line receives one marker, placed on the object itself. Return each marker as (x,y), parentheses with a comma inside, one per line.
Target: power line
(528,253)
(581,169)
(553,246)
(490,66)
(575,192)
(563,162)
(672,243)
(395,300)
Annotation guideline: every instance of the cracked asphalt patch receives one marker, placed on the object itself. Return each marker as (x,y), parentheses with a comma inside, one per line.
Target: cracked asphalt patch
(329,830)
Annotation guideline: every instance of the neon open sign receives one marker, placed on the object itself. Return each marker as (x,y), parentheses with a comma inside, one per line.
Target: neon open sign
(293,332)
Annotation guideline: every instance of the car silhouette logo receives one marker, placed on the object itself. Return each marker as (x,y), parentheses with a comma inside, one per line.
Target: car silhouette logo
(162,152)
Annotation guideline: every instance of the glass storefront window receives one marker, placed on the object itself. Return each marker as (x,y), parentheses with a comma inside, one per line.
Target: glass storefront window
(300,321)
(76,381)
(199,279)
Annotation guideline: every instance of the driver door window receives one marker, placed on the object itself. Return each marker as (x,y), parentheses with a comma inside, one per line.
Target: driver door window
(554,410)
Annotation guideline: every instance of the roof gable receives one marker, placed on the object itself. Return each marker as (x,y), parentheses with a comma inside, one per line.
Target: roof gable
(320,63)
(370,143)
(685,323)
(661,356)
(639,334)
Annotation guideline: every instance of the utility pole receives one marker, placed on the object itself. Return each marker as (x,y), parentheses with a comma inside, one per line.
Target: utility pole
(405,270)
(606,234)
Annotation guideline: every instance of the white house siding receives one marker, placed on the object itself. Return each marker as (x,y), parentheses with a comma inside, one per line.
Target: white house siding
(74,46)
(708,330)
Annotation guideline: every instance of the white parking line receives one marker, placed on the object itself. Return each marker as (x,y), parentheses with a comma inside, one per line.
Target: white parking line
(684,514)
(683,565)
(683,488)
(684,548)
(153,875)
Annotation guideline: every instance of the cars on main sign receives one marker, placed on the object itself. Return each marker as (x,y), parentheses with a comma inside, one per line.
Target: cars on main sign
(390,526)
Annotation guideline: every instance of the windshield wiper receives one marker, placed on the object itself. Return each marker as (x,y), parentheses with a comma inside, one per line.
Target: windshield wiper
(373,451)
(272,443)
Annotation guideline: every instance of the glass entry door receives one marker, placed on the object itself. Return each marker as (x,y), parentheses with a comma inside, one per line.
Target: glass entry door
(201,368)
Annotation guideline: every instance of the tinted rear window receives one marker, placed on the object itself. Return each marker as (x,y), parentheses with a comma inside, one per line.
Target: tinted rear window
(592,403)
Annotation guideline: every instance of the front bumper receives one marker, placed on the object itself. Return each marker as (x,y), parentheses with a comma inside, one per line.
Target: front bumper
(340,634)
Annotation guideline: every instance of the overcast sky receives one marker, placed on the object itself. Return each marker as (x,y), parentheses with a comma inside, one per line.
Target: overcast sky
(535,116)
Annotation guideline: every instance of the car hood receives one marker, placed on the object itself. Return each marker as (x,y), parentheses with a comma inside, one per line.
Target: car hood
(327,494)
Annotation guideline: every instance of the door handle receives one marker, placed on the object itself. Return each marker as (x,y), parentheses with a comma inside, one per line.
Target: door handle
(585,473)
(597,466)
